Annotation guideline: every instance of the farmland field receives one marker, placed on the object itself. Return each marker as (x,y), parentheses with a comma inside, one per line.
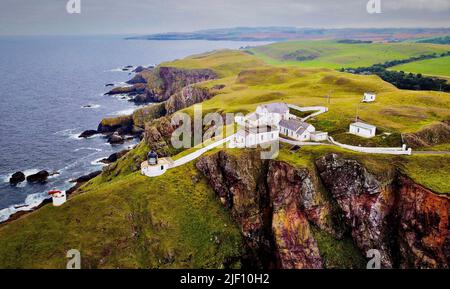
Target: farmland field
(331,54)
(435,67)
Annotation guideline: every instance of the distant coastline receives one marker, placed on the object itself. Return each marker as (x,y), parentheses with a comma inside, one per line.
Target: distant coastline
(257,34)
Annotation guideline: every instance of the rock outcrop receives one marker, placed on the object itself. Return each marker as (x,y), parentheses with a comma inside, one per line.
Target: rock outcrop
(158,134)
(166,81)
(280,208)
(433,134)
(267,199)
(40,177)
(423,220)
(88,133)
(366,204)
(16,178)
(405,222)
(188,96)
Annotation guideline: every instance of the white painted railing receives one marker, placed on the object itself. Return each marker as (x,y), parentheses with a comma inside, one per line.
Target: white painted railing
(374,150)
(318,110)
(192,156)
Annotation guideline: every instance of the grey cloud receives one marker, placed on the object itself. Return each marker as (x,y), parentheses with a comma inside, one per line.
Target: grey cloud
(152,16)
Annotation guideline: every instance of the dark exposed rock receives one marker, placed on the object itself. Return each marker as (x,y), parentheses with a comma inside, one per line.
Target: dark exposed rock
(139,69)
(39,177)
(366,203)
(109,84)
(186,97)
(17,177)
(423,227)
(115,138)
(166,81)
(434,134)
(129,90)
(268,199)
(114,157)
(138,78)
(88,133)
(158,134)
(110,125)
(86,178)
(405,222)
(218,86)
(142,99)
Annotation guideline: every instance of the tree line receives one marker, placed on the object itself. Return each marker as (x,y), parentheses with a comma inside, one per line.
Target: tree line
(404,80)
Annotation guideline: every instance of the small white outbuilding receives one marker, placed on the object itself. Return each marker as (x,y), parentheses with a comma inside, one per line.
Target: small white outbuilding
(369,97)
(363,129)
(319,136)
(58,197)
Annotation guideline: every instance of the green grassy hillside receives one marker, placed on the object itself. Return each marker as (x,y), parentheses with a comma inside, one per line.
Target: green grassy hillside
(332,54)
(131,221)
(122,219)
(395,111)
(434,67)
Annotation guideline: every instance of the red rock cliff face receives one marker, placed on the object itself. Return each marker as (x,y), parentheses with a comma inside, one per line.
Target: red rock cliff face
(277,205)
(289,191)
(273,203)
(423,232)
(407,223)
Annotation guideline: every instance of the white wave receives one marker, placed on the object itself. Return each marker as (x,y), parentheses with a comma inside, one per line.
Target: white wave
(91,106)
(29,204)
(127,111)
(121,96)
(87,148)
(120,69)
(97,162)
(71,133)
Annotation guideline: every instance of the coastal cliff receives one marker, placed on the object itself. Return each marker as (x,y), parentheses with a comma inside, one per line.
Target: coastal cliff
(280,207)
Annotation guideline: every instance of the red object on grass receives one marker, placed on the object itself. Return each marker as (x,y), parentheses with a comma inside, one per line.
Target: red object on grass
(54,192)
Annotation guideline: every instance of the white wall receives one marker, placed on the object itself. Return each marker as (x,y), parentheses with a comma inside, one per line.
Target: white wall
(362,131)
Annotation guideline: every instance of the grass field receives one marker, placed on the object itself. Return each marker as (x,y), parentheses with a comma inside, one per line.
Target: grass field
(122,219)
(331,54)
(395,111)
(434,67)
(129,222)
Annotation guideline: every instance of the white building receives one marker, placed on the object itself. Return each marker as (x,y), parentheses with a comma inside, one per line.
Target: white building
(155,166)
(363,129)
(296,129)
(58,197)
(369,97)
(319,136)
(265,114)
(249,137)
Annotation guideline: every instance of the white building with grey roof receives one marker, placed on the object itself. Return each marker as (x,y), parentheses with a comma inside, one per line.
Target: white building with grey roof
(296,129)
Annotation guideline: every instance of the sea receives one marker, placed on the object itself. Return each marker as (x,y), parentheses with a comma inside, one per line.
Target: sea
(52,89)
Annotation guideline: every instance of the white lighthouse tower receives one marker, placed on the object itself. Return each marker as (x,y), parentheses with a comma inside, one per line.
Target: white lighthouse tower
(58,197)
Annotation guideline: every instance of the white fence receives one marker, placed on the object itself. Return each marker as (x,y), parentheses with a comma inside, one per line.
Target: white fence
(318,110)
(192,156)
(374,150)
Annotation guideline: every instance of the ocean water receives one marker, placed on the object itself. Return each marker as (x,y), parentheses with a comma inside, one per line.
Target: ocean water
(45,82)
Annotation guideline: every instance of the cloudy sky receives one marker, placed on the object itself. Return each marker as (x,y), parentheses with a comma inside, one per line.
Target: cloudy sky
(152,16)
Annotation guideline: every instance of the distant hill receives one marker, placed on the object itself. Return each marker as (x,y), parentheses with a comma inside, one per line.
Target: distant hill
(288,33)
(436,40)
